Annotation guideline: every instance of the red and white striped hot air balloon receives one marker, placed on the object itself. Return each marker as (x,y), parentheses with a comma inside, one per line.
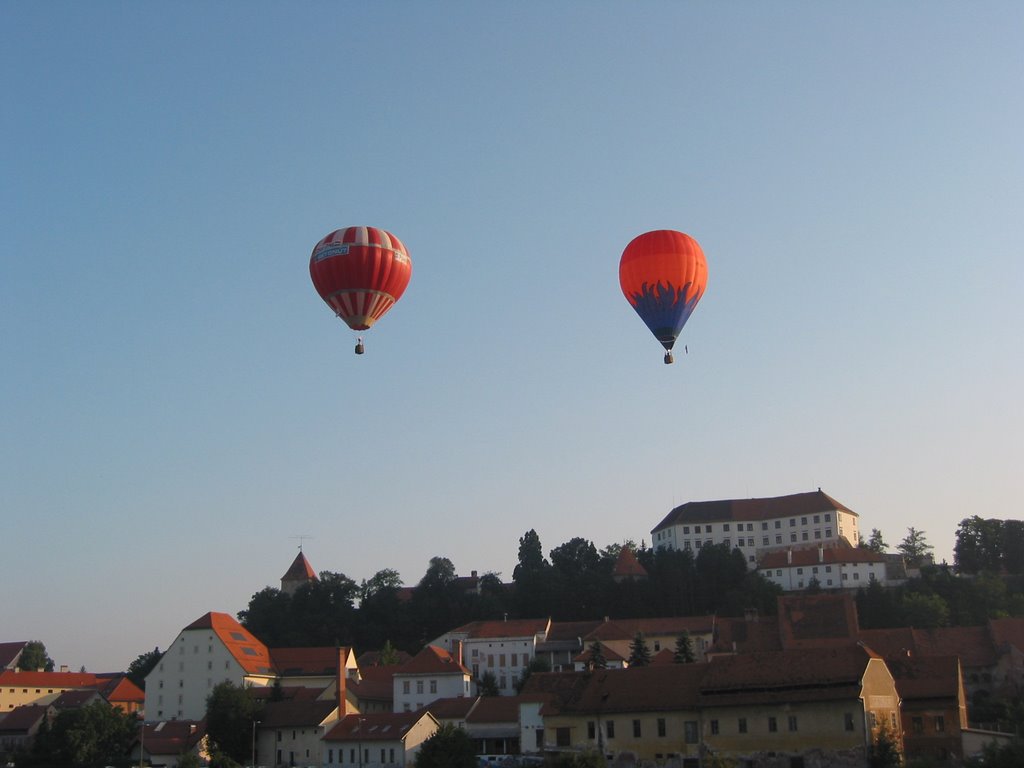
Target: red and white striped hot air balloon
(360,272)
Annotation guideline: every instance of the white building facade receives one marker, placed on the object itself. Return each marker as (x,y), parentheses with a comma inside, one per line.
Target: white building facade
(501,648)
(758,526)
(835,568)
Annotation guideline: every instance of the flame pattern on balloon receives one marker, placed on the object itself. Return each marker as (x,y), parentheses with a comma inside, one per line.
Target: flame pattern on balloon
(663,275)
(665,309)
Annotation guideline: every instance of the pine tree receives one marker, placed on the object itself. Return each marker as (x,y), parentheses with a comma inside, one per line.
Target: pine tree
(639,653)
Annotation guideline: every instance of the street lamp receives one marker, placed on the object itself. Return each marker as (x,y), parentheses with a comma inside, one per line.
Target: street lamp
(254,724)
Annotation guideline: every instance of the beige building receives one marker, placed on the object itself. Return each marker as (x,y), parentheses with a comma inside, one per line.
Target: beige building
(383,740)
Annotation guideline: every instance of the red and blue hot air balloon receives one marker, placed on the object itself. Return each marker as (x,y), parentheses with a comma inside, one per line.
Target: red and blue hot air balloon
(663,275)
(360,272)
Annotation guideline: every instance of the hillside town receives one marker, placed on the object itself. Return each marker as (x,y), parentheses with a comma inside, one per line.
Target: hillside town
(805,686)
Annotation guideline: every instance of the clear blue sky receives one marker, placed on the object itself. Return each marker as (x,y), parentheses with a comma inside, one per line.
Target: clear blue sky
(177,402)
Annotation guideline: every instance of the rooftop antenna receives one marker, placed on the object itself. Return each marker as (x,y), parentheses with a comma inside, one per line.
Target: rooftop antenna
(300,538)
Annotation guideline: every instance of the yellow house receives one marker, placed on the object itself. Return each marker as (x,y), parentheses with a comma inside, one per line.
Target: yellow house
(823,706)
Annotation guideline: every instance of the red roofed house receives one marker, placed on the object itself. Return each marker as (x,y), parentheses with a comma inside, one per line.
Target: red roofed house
(163,743)
(431,674)
(503,648)
(210,650)
(755,526)
(18,688)
(837,567)
(378,740)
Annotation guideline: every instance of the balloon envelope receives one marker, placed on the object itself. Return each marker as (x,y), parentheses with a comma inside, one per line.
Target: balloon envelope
(360,272)
(663,275)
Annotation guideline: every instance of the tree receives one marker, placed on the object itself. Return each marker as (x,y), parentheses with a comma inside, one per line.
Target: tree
(142,666)
(537,664)
(94,735)
(684,650)
(576,557)
(639,653)
(876,543)
(448,747)
(923,611)
(531,556)
(597,659)
(230,713)
(915,549)
(388,655)
(488,685)
(884,751)
(978,546)
(34,657)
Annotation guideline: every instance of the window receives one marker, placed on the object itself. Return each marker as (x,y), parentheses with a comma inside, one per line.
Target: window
(726,541)
(917,725)
(940,724)
(501,659)
(686,529)
(636,729)
(778,539)
(714,727)
(591,730)
(725,527)
(804,535)
(750,526)
(696,545)
(405,686)
(433,686)
(661,726)
(778,523)
(490,659)
(419,686)
(764,526)
(707,529)
(828,517)
(741,725)
(856,576)
(778,571)
(792,522)
(690,732)
(828,569)
(817,518)
(609,728)
(828,533)
(773,725)
(799,571)
(764,541)
(848,721)
(792,722)
(562,737)
(817,534)
(515,659)
(792,537)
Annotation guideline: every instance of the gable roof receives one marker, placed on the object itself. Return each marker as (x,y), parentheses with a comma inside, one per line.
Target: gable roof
(432,661)
(9,652)
(171,737)
(22,720)
(380,726)
(251,654)
(118,688)
(374,684)
(735,635)
(296,713)
(807,674)
(752,509)
(494,709)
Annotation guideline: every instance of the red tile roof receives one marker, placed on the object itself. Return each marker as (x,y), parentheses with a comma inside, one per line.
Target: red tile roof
(627,565)
(119,689)
(478,630)
(809,674)
(1008,631)
(300,570)
(432,661)
(816,556)
(817,619)
(452,707)
(172,737)
(495,709)
(49,679)
(746,636)
(926,677)
(570,631)
(376,684)
(308,661)
(626,629)
(296,713)
(383,726)
(249,652)
(609,654)
(752,509)
(23,719)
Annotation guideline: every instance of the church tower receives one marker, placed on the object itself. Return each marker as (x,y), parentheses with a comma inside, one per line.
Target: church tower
(299,574)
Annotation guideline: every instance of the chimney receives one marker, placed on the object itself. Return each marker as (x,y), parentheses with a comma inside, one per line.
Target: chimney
(342,699)
(789,557)
(64,668)
(821,554)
